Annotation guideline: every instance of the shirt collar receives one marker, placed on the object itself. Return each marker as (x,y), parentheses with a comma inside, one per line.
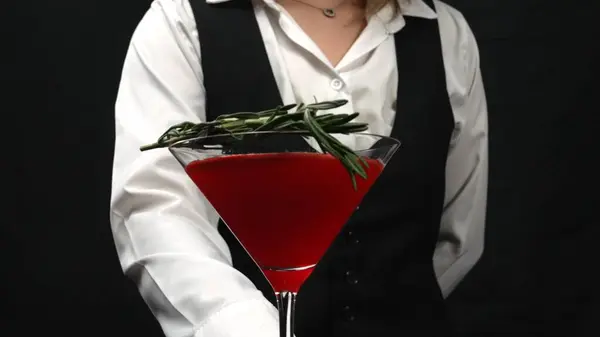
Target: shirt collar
(385,18)
(416,8)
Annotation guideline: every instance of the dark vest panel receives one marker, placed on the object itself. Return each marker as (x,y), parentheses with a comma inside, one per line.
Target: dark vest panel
(377,278)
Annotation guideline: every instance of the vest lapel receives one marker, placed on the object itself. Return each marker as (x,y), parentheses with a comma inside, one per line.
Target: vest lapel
(234,59)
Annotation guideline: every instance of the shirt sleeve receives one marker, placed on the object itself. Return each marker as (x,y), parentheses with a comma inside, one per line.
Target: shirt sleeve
(165,231)
(461,237)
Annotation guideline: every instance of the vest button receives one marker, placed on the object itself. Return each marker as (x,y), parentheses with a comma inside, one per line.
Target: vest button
(347,314)
(351,236)
(351,277)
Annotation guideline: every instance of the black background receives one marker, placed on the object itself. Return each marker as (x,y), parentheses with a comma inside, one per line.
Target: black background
(60,273)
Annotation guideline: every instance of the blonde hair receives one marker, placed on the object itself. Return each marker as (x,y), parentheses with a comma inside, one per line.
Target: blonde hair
(374,6)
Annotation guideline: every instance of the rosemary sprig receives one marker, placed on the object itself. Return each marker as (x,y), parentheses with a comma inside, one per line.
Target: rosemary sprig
(303,120)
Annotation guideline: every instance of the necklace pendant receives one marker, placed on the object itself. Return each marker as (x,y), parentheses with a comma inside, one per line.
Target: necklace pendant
(329,12)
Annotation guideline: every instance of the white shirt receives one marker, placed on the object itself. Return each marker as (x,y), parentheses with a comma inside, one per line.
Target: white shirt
(165,231)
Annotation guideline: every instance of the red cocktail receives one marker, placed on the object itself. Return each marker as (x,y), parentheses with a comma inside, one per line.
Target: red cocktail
(309,197)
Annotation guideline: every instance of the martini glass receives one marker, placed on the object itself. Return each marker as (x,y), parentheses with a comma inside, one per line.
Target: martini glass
(283,199)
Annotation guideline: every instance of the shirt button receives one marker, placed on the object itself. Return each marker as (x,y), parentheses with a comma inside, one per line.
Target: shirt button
(351,278)
(336,84)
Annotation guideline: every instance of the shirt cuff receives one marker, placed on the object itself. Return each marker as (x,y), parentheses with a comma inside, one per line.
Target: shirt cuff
(254,318)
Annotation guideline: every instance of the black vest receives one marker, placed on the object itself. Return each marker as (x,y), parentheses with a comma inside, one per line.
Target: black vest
(377,279)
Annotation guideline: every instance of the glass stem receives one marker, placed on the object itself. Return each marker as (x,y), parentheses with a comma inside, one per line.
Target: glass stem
(286,302)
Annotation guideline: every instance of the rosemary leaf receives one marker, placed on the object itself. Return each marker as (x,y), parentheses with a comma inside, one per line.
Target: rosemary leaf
(304,120)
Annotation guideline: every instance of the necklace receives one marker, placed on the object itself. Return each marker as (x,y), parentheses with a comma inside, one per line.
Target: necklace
(328,11)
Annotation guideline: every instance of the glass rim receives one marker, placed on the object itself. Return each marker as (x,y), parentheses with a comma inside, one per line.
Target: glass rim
(179,143)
